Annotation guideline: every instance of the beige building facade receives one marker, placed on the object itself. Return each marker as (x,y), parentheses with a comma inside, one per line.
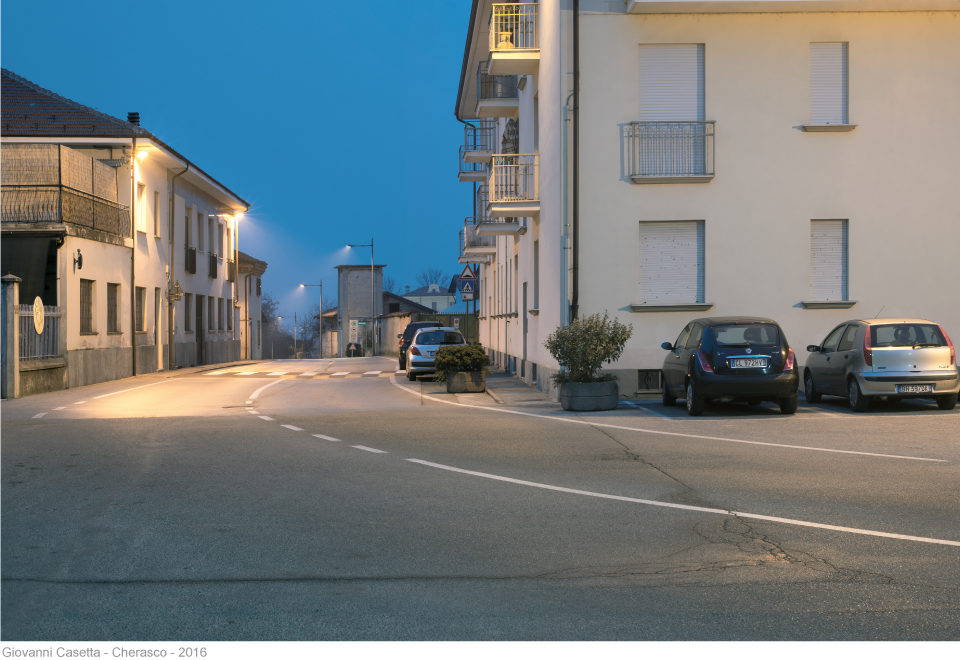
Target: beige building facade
(794,160)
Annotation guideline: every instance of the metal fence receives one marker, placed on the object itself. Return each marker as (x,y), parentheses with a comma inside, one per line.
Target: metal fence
(513,26)
(495,87)
(658,149)
(469,238)
(514,178)
(481,135)
(481,202)
(35,346)
(478,169)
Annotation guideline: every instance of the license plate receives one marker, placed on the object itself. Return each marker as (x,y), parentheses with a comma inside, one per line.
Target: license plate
(914,389)
(748,363)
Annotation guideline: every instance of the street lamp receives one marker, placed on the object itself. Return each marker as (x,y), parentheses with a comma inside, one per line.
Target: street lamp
(294,333)
(321,313)
(373,298)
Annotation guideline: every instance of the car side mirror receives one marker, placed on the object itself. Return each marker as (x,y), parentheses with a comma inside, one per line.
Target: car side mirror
(399,336)
(813,348)
(667,346)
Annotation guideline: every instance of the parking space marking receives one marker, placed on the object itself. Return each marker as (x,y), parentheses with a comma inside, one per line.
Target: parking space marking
(292,428)
(325,437)
(375,451)
(687,507)
(269,419)
(646,410)
(39,415)
(570,420)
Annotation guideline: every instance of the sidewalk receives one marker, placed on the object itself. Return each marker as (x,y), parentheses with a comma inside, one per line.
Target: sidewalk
(502,389)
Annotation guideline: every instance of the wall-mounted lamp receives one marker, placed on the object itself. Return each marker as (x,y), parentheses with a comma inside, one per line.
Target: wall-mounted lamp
(78,260)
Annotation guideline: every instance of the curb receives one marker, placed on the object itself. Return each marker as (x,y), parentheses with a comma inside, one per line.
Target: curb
(494,396)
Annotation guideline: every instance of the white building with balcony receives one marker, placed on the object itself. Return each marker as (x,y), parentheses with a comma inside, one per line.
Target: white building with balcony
(131,247)
(662,161)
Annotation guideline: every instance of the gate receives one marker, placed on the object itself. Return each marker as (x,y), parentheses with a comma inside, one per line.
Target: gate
(34,346)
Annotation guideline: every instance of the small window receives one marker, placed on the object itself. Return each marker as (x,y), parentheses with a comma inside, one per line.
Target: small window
(156,213)
(86,307)
(141,209)
(187,233)
(829,245)
(229,304)
(536,274)
(200,231)
(220,320)
(258,333)
(846,343)
(258,287)
(828,83)
(671,262)
(113,308)
(141,303)
(211,314)
(220,243)
(188,312)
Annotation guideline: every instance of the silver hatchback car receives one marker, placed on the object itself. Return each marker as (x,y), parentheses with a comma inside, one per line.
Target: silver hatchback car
(422,353)
(894,358)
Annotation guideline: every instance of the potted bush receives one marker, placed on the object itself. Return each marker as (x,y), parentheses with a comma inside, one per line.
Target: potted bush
(581,348)
(462,368)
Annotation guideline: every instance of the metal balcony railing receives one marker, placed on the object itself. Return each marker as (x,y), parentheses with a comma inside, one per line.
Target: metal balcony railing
(514,178)
(472,238)
(471,168)
(481,203)
(52,183)
(513,26)
(665,149)
(35,346)
(480,135)
(495,87)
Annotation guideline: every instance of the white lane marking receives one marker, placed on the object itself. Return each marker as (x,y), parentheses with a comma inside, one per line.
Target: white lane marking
(292,428)
(246,373)
(252,412)
(638,406)
(400,372)
(341,373)
(375,451)
(310,373)
(325,437)
(367,373)
(60,408)
(77,403)
(686,507)
(269,419)
(276,373)
(138,387)
(216,373)
(39,415)
(257,392)
(569,420)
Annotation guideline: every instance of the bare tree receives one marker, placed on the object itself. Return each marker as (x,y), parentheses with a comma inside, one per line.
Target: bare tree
(429,276)
(390,285)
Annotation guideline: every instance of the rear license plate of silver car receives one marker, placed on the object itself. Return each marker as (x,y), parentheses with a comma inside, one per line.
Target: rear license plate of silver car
(748,363)
(915,389)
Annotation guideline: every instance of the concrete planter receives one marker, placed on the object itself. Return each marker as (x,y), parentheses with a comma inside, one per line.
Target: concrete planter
(589,396)
(464,382)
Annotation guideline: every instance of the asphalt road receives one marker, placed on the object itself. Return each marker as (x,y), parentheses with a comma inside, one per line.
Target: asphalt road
(274,505)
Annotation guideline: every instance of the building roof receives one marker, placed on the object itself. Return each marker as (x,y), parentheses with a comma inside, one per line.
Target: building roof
(409,304)
(425,291)
(28,110)
(248,264)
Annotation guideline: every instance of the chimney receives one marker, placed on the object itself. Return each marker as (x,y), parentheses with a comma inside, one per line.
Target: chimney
(408,288)
(133,118)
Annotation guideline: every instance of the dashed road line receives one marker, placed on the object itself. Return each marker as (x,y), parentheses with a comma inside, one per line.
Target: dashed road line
(372,373)
(77,403)
(570,420)
(277,373)
(340,373)
(269,419)
(371,449)
(326,437)
(60,408)
(246,373)
(39,415)
(252,412)
(291,427)
(687,507)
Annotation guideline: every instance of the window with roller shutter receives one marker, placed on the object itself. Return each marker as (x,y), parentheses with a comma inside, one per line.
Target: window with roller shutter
(671,262)
(828,260)
(828,83)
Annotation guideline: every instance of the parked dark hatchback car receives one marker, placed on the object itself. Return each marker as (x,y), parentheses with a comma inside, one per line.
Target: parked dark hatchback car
(408,334)
(731,358)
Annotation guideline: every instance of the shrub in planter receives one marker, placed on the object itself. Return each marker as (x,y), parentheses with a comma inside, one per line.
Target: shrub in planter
(462,368)
(581,349)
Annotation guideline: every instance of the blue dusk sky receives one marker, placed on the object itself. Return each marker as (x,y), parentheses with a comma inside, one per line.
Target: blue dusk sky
(334,120)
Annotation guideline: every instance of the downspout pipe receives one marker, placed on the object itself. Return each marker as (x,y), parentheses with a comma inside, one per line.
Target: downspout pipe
(133,254)
(173,261)
(575,291)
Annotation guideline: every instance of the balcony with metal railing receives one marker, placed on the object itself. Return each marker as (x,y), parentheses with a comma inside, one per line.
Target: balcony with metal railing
(479,140)
(474,247)
(514,38)
(514,187)
(669,151)
(497,95)
(53,184)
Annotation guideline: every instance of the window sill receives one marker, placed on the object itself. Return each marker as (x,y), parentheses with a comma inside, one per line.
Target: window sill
(188,332)
(669,307)
(828,128)
(706,178)
(112,332)
(828,304)
(89,334)
(140,332)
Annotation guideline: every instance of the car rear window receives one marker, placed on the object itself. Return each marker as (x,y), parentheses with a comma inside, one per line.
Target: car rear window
(411,329)
(439,338)
(753,334)
(906,334)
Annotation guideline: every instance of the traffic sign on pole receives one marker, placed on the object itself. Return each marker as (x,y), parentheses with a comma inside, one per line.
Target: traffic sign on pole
(466,286)
(467,274)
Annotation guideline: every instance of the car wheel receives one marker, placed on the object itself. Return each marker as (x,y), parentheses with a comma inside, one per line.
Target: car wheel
(695,402)
(947,401)
(411,376)
(668,399)
(858,402)
(788,406)
(810,392)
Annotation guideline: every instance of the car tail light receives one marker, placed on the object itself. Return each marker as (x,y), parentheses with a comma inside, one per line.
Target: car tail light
(868,346)
(414,351)
(791,358)
(704,362)
(953,351)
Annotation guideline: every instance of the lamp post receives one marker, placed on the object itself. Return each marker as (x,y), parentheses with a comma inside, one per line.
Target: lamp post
(373,298)
(294,334)
(321,313)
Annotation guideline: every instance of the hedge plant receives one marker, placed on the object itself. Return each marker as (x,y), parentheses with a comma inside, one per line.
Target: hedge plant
(451,359)
(582,347)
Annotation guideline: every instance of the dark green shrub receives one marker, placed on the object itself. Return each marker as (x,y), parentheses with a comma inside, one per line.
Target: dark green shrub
(451,359)
(582,347)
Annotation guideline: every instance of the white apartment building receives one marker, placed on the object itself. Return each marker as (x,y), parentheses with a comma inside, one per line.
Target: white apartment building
(794,159)
(131,247)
